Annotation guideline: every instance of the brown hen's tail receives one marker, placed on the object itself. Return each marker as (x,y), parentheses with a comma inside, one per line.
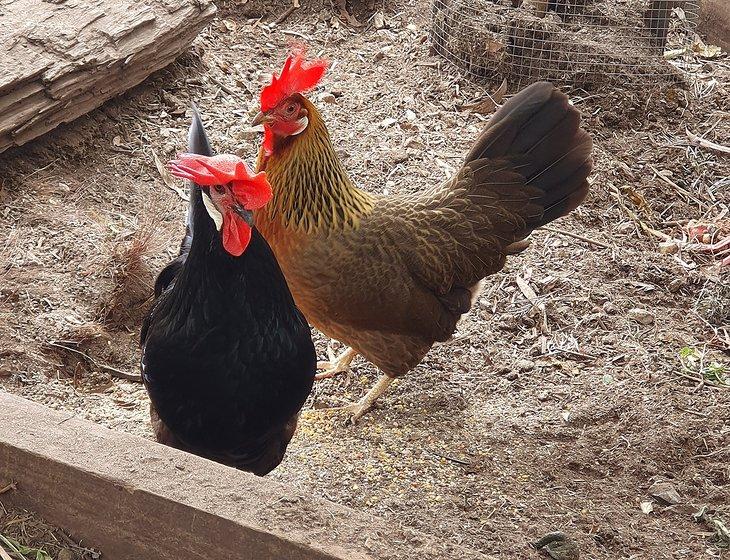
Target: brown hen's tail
(537,134)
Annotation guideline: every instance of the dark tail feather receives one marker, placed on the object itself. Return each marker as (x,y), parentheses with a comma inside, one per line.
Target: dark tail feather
(537,133)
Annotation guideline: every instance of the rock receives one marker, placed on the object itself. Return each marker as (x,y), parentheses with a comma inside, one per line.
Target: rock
(609,308)
(559,546)
(668,247)
(328,98)
(666,492)
(379,21)
(675,285)
(398,156)
(414,143)
(525,365)
(512,376)
(641,316)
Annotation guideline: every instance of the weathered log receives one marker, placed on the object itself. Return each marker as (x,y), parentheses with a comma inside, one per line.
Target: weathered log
(59,59)
(134,498)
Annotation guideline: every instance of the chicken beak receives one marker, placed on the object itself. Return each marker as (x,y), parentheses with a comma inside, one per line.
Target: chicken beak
(244,214)
(261,118)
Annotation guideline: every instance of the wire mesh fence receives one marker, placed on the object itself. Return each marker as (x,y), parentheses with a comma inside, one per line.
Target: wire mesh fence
(586,43)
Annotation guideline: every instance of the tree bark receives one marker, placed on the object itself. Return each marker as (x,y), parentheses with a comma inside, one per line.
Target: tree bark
(59,59)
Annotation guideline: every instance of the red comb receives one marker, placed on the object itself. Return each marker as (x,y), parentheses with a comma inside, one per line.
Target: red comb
(253,189)
(297,76)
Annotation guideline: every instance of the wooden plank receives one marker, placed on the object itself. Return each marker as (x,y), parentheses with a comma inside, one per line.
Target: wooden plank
(134,498)
(62,59)
(715,22)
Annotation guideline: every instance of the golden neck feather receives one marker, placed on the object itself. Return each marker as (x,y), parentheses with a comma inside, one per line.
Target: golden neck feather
(312,191)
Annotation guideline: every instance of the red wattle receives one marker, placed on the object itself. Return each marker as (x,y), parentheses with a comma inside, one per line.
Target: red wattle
(236,234)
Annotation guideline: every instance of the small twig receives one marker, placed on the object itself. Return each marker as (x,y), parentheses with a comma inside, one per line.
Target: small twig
(573,353)
(225,88)
(112,371)
(283,17)
(297,34)
(9,487)
(531,296)
(703,143)
(631,214)
(452,459)
(711,453)
(576,236)
(675,186)
(700,380)
(3,554)
(696,413)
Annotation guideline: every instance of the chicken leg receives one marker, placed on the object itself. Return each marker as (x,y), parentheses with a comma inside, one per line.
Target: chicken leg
(336,364)
(359,408)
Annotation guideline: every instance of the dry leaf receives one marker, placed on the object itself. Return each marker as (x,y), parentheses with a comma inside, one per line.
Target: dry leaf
(487,105)
(647,507)
(494,46)
(167,178)
(706,51)
(498,95)
(665,491)
(641,316)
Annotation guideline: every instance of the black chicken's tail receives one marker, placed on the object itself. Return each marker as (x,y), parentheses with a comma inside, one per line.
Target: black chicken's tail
(539,132)
(197,144)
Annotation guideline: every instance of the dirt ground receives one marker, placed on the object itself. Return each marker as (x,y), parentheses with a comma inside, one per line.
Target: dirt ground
(535,418)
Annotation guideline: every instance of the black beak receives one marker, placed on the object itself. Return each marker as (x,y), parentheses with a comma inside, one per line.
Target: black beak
(247,215)
(261,118)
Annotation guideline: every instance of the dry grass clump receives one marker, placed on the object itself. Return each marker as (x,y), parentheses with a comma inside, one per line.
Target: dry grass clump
(132,280)
(713,303)
(24,535)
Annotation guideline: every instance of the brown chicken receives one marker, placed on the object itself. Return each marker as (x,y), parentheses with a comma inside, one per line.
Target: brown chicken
(391,275)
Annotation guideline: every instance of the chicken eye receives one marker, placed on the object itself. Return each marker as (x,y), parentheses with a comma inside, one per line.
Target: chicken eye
(291,108)
(219,189)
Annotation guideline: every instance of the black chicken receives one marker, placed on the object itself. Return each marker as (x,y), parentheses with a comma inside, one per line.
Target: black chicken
(227,358)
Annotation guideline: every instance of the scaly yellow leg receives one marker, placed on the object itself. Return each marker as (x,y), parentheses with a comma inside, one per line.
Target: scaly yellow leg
(336,364)
(358,409)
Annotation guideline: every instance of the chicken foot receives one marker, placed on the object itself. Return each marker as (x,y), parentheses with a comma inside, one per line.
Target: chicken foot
(336,364)
(359,408)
